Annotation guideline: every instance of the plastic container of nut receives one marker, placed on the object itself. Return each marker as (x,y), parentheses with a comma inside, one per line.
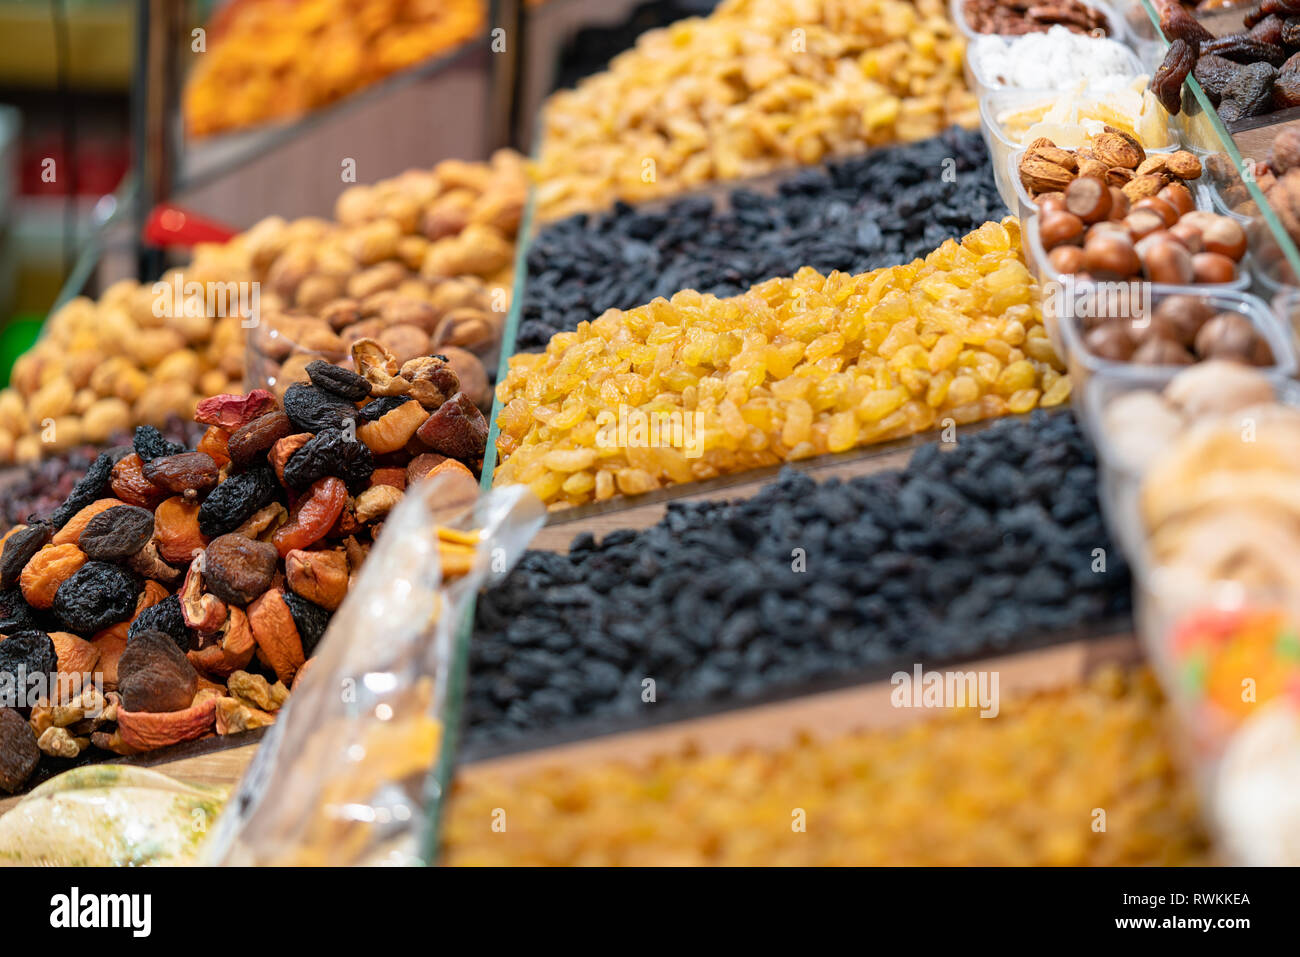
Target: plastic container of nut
(1115,27)
(1083,363)
(1025,206)
(996,106)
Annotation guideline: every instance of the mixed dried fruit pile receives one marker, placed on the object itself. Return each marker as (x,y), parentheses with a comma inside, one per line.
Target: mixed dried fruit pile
(272,60)
(968,550)
(795,367)
(1019,789)
(756,85)
(887,207)
(187,578)
(1244,74)
(421,262)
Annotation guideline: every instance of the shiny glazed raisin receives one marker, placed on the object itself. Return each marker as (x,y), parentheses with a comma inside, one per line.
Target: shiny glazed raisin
(188,473)
(167,617)
(15,613)
(238,569)
(116,533)
(92,486)
(249,443)
(18,550)
(341,382)
(235,500)
(96,596)
(150,444)
(311,620)
(24,654)
(312,409)
(331,452)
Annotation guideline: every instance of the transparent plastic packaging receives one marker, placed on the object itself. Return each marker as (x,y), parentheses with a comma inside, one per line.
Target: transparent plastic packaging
(343,777)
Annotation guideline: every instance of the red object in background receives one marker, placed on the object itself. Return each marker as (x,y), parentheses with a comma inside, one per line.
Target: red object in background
(101,164)
(172,226)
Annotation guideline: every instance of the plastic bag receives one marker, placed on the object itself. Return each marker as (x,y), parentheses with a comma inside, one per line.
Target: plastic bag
(343,777)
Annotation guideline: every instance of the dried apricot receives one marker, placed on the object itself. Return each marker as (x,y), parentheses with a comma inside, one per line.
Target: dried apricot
(391,431)
(130,485)
(47,570)
(276,634)
(215,442)
(313,517)
(176,530)
(318,576)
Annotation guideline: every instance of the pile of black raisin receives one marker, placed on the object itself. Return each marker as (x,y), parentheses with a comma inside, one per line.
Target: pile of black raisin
(969,550)
(885,208)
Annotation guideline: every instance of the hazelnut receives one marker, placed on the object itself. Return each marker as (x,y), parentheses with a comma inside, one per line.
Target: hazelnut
(1088,198)
(1168,262)
(1109,341)
(1162,352)
(1230,335)
(1057,228)
(1111,255)
(1179,197)
(1189,235)
(1213,268)
(1226,237)
(1183,316)
(1119,204)
(1050,202)
(1144,222)
(1165,210)
(1066,259)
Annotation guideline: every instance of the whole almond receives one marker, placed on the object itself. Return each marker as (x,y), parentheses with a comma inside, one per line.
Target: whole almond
(1040,176)
(1153,165)
(1184,165)
(1140,187)
(1059,157)
(1114,150)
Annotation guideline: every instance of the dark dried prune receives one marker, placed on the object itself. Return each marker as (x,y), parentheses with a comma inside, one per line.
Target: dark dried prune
(310,619)
(336,380)
(22,655)
(15,613)
(18,550)
(235,500)
(167,617)
(376,409)
(154,675)
(1286,90)
(457,429)
(330,453)
(91,487)
(187,473)
(1177,24)
(1291,32)
(1249,93)
(149,444)
(1167,84)
(237,569)
(312,409)
(117,532)
(19,754)
(96,596)
(1241,48)
(1214,73)
(250,442)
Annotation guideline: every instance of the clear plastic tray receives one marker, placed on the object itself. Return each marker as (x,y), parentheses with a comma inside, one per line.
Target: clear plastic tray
(1118,29)
(1001,146)
(1083,364)
(982,85)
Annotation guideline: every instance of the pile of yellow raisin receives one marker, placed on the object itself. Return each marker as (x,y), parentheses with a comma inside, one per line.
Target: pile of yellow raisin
(793,368)
(1024,788)
(754,86)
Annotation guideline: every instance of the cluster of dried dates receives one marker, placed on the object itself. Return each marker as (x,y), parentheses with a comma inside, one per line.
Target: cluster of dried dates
(1244,74)
(197,582)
